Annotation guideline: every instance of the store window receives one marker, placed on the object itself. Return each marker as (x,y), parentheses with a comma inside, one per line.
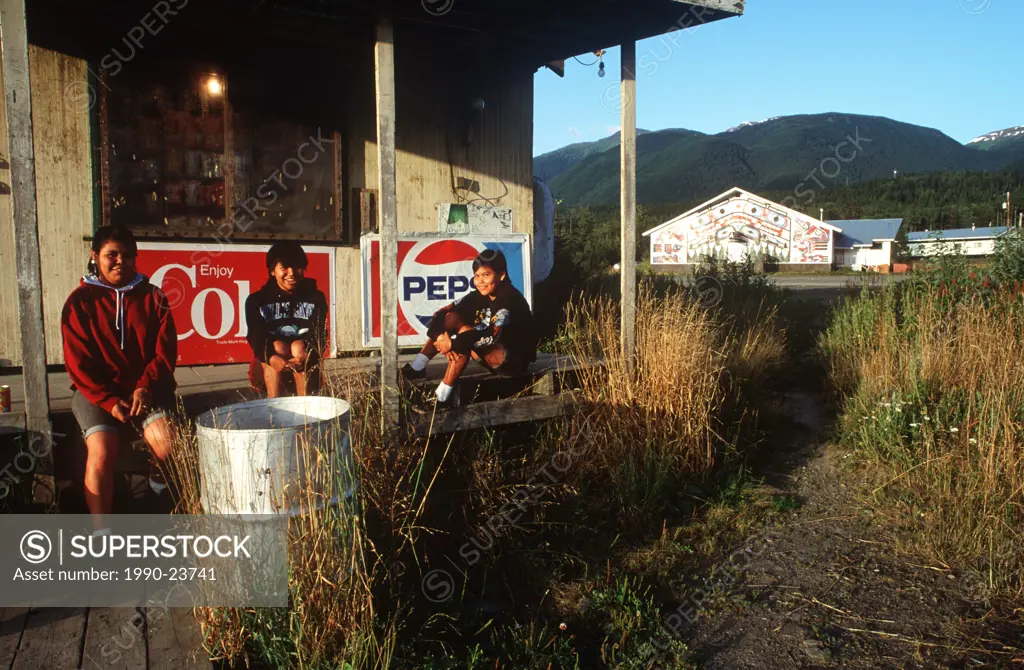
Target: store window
(184,161)
(166,153)
(284,178)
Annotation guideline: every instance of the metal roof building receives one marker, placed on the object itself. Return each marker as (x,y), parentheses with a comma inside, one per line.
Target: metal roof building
(958,234)
(976,242)
(866,232)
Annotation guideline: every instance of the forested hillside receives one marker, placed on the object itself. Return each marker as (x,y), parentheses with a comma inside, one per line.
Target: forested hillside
(821,151)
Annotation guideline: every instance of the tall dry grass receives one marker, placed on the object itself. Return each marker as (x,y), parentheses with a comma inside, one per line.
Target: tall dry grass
(935,394)
(655,424)
(341,556)
(637,439)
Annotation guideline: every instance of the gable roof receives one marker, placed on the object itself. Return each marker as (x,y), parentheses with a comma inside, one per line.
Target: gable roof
(728,195)
(957,234)
(865,232)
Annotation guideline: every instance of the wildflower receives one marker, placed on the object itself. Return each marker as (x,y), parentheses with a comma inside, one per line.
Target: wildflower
(887,404)
(914,425)
(927,419)
(954,429)
(971,440)
(563,626)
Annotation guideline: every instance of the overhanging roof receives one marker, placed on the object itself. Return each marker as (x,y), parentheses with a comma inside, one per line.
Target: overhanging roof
(729,195)
(865,232)
(516,33)
(957,234)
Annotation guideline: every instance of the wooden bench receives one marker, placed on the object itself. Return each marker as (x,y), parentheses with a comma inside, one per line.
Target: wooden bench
(547,389)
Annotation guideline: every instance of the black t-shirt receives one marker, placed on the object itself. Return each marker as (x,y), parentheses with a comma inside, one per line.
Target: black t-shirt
(506,320)
(272,314)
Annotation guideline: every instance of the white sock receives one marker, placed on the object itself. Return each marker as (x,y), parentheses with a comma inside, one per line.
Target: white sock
(419,363)
(443,392)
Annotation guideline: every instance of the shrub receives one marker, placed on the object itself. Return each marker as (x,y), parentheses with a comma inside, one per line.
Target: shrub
(1008,261)
(934,395)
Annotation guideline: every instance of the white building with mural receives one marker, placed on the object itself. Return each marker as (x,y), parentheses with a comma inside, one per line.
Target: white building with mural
(737,225)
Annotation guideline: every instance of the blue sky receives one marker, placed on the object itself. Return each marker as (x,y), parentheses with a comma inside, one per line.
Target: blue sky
(955,66)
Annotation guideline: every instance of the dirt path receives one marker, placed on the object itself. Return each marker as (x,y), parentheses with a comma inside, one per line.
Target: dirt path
(824,587)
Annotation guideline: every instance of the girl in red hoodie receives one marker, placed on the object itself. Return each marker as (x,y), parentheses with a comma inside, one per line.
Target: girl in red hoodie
(120,348)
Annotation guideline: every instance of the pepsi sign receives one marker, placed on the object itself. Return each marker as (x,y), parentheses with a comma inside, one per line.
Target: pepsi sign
(433,271)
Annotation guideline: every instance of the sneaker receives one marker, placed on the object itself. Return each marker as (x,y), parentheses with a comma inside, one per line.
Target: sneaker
(429,405)
(411,374)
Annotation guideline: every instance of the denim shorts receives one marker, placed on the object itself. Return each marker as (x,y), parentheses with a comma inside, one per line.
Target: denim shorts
(93,419)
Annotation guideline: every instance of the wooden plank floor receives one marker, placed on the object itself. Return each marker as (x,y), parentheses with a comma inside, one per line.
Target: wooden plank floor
(101,638)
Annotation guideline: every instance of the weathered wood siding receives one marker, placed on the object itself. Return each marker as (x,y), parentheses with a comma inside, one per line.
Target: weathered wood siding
(431,153)
(60,117)
(10,319)
(60,113)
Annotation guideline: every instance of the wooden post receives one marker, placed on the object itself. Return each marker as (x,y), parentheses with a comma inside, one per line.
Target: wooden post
(17,90)
(338,188)
(627,266)
(387,208)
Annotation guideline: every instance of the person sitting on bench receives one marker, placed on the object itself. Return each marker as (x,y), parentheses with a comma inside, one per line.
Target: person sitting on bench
(120,350)
(287,322)
(492,324)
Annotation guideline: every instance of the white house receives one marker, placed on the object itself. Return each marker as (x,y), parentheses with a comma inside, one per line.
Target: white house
(866,244)
(737,225)
(968,241)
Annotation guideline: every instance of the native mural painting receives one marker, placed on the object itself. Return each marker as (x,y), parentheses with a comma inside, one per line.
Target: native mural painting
(810,242)
(739,228)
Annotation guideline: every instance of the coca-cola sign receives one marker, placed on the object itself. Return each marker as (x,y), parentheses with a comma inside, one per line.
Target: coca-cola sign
(206,287)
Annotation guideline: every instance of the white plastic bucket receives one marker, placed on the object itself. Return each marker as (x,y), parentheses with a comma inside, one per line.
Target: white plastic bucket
(275,456)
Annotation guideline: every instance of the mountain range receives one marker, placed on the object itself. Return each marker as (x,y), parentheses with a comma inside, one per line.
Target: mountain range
(813,151)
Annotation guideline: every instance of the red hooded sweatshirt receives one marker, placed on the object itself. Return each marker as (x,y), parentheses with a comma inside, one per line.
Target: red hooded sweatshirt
(117,340)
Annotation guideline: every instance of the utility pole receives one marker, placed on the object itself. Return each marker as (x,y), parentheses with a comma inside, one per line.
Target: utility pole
(1009,212)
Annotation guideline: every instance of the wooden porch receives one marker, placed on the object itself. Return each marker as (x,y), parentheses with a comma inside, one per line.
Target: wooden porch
(138,639)
(545,391)
(101,637)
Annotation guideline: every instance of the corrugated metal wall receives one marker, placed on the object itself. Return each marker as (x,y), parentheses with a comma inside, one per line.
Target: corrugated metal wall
(60,118)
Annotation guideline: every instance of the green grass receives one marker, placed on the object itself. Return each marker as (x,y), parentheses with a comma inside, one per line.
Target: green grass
(929,378)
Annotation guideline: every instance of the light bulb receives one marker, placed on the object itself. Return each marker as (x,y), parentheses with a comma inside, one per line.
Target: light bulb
(600,69)
(214,86)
